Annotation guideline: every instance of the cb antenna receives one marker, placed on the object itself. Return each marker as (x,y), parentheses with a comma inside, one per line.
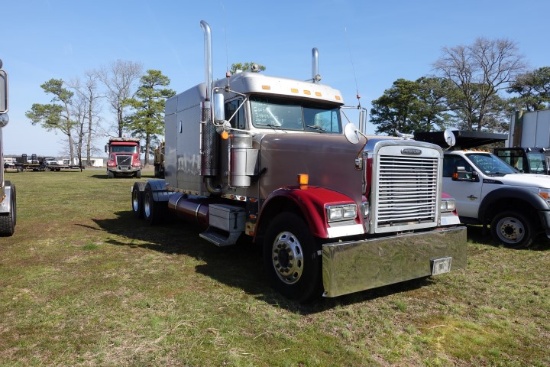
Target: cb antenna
(227,71)
(357,95)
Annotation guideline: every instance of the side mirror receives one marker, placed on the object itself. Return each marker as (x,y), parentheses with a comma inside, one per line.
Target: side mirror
(449,137)
(462,175)
(3,91)
(219,107)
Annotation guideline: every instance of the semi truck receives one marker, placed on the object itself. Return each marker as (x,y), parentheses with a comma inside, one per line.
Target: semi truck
(271,159)
(8,210)
(124,157)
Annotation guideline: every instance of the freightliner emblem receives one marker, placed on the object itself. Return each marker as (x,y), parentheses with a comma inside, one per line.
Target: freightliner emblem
(411,151)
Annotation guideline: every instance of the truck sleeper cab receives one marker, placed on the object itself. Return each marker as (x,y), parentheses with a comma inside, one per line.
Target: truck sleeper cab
(270,158)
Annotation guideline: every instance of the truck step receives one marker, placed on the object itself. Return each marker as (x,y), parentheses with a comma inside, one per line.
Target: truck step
(220,238)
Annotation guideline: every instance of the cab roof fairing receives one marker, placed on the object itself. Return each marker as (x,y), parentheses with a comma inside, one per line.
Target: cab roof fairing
(256,83)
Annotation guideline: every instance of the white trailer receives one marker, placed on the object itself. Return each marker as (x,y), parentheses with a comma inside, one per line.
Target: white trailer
(530,129)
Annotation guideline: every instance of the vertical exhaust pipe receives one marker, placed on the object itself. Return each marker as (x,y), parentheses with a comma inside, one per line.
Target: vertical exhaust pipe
(315,76)
(209,163)
(207,58)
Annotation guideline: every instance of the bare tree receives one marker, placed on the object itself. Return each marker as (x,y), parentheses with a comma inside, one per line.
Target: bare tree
(120,79)
(479,72)
(88,107)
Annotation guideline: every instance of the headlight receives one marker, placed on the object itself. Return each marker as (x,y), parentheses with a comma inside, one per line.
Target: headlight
(448,205)
(341,212)
(545,194)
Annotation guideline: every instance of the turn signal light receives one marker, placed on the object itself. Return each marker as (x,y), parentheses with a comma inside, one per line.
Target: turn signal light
(303,179)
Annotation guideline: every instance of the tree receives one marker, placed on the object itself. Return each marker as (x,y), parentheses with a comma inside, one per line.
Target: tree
(87,105)
(147,121)
(56,115)
(432,103)
(392,111)
(119,79)
(533,88)
(247,66)
(411,106)
(479,72)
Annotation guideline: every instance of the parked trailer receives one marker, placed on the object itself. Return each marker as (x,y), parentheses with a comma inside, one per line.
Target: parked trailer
(8,210)
(528,145)
(335,212)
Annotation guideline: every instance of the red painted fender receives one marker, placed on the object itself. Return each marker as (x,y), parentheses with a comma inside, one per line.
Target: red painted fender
(311,201)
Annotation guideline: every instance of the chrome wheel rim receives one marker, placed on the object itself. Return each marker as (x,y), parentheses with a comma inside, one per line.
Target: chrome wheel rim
(287,257)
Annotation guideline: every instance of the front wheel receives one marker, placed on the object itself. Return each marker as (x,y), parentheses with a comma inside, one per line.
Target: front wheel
(292,258)
(512,229)
(8,222)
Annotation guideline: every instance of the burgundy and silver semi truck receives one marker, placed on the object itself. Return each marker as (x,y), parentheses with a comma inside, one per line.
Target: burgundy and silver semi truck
(334,211)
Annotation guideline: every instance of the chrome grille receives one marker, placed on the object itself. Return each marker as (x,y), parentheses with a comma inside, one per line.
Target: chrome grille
(407,191)
(124,160)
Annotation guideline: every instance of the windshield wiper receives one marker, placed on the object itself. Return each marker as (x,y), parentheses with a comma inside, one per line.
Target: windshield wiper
(318,128)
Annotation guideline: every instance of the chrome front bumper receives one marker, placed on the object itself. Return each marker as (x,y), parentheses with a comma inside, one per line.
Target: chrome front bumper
(359,265)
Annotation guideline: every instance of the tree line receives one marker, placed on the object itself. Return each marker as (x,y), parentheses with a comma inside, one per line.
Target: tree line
(135,99)
(468,91)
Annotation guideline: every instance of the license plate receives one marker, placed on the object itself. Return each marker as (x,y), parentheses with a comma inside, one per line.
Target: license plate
(442,265)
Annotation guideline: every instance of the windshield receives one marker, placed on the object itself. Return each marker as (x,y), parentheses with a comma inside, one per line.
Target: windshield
(537,162)
(294,115)
(490,164)
(123,148)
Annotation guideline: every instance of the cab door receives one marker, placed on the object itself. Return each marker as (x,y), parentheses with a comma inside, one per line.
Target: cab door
(462,181)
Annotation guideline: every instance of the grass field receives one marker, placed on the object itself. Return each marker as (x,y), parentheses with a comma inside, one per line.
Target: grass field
(83,283)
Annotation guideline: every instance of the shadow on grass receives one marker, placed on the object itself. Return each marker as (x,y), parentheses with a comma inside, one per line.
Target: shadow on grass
(237,266)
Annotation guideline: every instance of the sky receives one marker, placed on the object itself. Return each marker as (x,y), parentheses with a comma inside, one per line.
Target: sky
(364,46)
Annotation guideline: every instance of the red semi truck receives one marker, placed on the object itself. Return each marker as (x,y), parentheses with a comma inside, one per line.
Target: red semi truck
(334,211)
(124,157)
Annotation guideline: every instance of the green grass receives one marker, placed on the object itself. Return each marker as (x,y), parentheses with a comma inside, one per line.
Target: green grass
(83,283)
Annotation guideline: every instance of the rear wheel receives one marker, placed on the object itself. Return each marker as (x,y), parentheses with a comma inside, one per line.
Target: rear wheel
(153,211)
(7,222)
(512,229)
(291,258)
(137,199)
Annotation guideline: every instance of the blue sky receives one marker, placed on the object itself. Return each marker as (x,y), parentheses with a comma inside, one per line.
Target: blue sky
(363,45)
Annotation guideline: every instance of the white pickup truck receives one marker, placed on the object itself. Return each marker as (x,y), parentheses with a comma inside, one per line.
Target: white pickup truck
(488,191)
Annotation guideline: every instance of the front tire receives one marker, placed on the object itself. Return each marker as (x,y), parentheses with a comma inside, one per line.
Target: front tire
(8,222)
(292,258)
(512,229)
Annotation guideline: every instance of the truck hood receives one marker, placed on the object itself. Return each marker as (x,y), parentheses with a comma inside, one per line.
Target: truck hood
(524,179)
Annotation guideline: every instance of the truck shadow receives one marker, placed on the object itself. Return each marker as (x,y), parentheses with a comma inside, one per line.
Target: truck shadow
(238,266)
